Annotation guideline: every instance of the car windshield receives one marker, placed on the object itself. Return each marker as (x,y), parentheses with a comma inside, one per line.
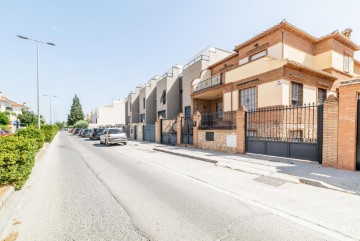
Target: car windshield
(115,131)
(99,130)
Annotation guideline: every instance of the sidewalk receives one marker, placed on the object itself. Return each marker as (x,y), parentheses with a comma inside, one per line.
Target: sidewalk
(290,170)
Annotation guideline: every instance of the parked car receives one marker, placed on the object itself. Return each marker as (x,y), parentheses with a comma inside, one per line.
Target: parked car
(76,131)
(95,133)
(4,133)
(86,133)
(113,136)
(81,131)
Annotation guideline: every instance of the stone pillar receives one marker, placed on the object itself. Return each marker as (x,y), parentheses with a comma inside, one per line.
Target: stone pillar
(347,126)
(330,132)
(197,120)
(179,129)
(158,130)
(240,130)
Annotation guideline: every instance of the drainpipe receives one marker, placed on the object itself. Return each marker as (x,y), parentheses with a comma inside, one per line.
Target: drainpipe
(282,42)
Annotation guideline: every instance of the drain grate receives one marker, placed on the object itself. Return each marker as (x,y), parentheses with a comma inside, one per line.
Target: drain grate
(274,182)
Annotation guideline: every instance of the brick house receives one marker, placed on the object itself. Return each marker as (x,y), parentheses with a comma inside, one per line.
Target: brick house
(283,65)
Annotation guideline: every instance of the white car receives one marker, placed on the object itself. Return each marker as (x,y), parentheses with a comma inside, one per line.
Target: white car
(113,136)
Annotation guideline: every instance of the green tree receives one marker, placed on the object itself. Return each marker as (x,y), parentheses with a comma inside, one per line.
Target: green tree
(4,119)
(81,124)
(28,118)
(76,112)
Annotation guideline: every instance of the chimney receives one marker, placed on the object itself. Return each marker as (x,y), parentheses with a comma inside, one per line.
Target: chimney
(347,33)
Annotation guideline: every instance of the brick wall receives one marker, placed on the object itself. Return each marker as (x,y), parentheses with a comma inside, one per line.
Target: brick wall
(347,126)
(330,132)
(240,129)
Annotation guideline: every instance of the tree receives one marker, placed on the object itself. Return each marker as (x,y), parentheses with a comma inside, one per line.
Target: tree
(76,112)
(28,118)
(4,119)
(81,124)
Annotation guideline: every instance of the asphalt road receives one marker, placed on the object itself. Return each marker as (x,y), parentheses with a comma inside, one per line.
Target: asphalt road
(85,188)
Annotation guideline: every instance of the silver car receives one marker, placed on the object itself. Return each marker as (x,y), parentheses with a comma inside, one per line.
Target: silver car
(113,136)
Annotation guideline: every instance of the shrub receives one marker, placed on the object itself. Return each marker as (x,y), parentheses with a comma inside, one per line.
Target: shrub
(4,119)
(17,157)
(49,132)
(81,124)
(32,132)
(4,127)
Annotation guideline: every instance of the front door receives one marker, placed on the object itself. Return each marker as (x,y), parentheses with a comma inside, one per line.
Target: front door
(219,109)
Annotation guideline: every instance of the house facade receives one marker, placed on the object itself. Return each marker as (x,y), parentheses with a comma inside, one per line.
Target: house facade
(133,106)
(168,103)
(197,67)
(281,66)
(109,115)
(147,101)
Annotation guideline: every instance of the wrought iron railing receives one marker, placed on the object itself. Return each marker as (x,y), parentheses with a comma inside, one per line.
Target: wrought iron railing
(208,83)
(218,120)
(193,61)
(283,123)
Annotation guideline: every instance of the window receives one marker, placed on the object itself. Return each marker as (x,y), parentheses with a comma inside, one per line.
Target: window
(144,103)
(162,113)
(209,136)
(248,98)
(347,60)
(142,117)
(219,110)
(163,97)
(296,94)
(321,96)
(187,111)
(258,55)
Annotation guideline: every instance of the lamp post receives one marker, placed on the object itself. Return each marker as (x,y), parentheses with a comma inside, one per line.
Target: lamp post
(50,106)
(37,71)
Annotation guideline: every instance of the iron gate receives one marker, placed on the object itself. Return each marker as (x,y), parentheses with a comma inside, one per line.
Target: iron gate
(358,137)
(294,131)
(168,131)
(187,130)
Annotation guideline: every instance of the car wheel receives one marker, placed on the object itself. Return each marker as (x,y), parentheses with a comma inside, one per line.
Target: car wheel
(125,143)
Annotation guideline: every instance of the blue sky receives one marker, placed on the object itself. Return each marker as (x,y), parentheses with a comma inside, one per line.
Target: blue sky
(105,48)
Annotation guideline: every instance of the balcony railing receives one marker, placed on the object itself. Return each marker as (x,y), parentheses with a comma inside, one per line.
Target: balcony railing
(208,83)
(193,61)
(218,120)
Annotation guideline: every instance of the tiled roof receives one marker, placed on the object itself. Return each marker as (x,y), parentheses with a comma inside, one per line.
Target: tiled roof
(320,72)
(222,60)
(300,31)
(12,103)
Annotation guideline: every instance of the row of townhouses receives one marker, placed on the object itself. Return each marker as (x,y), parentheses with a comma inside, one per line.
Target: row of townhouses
(13,109)
(283,92)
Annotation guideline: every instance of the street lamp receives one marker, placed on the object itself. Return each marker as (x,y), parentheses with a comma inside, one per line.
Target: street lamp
(37,71)
(50,105)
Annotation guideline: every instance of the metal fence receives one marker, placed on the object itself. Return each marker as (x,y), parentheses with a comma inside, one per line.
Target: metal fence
(218,120)
(208,83)
(283,123)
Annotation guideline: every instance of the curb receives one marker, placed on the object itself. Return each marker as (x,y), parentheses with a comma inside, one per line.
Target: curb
(19,195)
(185,155)
(6,197)
(283,177)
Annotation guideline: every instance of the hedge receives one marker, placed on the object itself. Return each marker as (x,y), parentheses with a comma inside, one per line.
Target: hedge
(31,132)
(17,157)
(49,132)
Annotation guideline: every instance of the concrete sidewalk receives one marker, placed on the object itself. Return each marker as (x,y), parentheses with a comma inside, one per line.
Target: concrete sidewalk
(290,170)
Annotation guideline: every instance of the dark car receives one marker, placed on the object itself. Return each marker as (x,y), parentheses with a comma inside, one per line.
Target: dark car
(95,133)
(86,133)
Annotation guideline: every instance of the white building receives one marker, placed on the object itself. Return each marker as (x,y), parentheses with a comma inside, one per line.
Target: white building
(109,115)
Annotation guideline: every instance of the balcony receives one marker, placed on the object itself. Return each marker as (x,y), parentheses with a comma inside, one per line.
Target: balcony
(207,83)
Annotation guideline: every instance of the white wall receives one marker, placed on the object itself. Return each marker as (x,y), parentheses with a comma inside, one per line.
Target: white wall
(113,114)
